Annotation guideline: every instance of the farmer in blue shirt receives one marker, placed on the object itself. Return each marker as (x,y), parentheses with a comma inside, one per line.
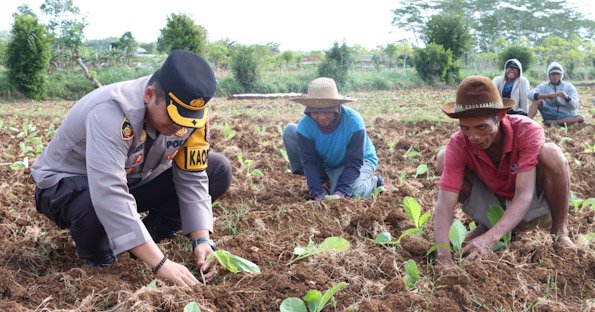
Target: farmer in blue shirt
(330,143)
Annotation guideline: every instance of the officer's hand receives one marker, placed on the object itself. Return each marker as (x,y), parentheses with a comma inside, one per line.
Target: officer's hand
(208,268)
(176,273)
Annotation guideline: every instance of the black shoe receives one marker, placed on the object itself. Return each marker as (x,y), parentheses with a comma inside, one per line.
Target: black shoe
(101,261)
(161,228)
(380,183)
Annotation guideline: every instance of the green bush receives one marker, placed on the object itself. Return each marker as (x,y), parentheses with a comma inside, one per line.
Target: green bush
(450,31)
(28,56)
(433,63)
(245,68)
(228,86)
(337,64)
(523,54)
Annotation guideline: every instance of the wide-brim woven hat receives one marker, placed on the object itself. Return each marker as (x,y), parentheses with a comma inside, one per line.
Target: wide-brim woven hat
(477,96)
(322,93)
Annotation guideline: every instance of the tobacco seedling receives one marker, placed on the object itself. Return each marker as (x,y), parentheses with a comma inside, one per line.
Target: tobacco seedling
(233,263)
(411,152)
(456,235)
(391,145)
(590,148)
(228,132)
(579,204)
(192,307)
(402,176)
(283,154)
(329,244)
(495,212)
(314,298)
(411,274)
(384,238)
(413,210)
(421,169)
(152,284)
(248,165)
(20,164)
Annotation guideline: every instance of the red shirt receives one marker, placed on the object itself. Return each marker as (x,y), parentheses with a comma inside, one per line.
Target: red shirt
(523,139)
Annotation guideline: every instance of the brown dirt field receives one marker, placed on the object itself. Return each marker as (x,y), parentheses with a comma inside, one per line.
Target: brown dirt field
(264,218)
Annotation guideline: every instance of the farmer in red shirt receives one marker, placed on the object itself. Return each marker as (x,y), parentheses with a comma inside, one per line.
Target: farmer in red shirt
(498,159)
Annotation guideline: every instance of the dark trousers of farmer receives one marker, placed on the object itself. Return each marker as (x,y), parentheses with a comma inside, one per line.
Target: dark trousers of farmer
(68,204)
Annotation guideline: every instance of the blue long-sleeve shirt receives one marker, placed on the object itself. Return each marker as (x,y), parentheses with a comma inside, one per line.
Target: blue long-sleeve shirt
(348,145)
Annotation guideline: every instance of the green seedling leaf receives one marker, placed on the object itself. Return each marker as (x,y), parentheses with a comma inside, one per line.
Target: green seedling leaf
(152,284)
(192,307)
(317,301)
(412,274)
(283,153)
(412,209)
(441,245)
(411,231)
(234,263)
(293,304)
(402,176)
(257,173)
(383,238)
(421,169)
(495,212)
(332,243)
(20,164)
(456,234)
(411,152)
(472,226)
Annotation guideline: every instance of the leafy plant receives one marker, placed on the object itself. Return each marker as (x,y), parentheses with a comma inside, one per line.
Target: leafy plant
(391,145)
(579,204)
(20,164)
(411,274)
(248,165)
(384,238)
(228,133)
(495,212)
(456,235)
(413,211)
(283,153)
(329,244)
(411,153)
(402,176)
(192,307)
(316,300)
(152,284)
(421,169)
(233,263)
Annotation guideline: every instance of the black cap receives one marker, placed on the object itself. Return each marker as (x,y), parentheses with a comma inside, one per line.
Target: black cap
(512,64)
(188,83)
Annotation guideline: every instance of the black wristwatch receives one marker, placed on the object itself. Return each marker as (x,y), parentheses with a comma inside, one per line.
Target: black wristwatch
(203,240)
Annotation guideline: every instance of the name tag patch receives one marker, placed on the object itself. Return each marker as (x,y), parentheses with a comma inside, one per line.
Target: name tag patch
(196,158)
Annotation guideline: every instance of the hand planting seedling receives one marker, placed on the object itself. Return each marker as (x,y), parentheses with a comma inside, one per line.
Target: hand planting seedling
(495,212)
(329,244)
(314,298)
(456,235)
(233,263)
(411,274)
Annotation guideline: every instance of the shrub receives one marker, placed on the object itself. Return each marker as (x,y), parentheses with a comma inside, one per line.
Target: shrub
(433,63)
(450,31)
(337,64)
(523,54)
(28,56)
(245,69)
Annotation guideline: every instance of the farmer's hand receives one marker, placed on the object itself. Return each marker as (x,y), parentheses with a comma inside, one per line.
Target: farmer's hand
(208,268)
(478,247)
(562,94)
(176,273)
(443,257)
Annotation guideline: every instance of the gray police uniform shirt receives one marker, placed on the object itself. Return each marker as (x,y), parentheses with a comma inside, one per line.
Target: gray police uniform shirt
(104,137)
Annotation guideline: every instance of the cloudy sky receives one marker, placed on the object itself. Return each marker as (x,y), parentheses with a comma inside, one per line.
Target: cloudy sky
(297,25)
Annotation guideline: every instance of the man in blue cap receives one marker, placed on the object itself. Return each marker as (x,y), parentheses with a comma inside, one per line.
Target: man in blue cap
(131,147)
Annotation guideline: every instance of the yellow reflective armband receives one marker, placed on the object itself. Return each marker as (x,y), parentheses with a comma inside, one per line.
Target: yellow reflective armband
(193,154)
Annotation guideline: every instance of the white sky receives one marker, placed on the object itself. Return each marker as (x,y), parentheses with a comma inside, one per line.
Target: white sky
(301,25)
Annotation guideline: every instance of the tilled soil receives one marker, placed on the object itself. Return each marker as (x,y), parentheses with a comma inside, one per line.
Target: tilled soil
(264,218)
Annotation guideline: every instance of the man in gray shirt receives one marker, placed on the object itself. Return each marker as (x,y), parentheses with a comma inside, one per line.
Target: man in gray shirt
(136,146)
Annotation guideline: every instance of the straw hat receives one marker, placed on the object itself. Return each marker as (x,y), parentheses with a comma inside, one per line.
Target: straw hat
(322,93)
(477,96)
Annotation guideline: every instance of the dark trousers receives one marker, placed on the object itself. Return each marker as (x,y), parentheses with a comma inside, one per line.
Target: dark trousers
(68,204)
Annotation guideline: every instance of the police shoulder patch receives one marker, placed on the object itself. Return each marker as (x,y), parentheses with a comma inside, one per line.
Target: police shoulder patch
(126,132)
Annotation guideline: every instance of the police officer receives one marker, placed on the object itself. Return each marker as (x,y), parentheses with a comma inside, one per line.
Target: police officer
(131,147)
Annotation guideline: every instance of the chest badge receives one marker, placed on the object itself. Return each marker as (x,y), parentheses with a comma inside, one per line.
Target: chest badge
(143,136)
(138,158)
(126,130)
(182,132)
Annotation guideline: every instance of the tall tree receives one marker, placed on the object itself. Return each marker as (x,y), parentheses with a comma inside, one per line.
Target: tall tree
(67,26)
(180,32)
(450,31)
(28,55)
(412,16)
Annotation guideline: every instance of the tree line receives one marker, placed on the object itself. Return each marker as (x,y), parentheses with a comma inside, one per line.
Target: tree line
(448,35)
